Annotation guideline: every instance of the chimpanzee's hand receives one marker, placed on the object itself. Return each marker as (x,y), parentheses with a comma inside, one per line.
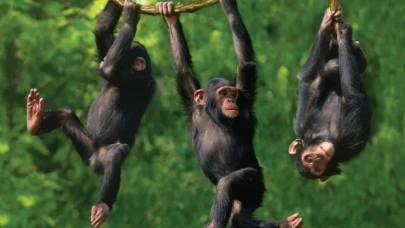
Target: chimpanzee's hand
(293,221)
(229,6)
(338,15)
(166,9)
(330,17)
(327,21)
(99,214)
(131,13)
(35,108)
(345,35)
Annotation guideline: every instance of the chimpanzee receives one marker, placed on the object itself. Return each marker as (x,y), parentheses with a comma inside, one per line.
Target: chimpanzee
(332,122)
(223,125)
(126,90)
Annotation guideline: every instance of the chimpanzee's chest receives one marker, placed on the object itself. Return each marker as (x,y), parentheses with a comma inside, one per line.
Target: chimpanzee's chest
(327,115)
(111,118)
(220,150)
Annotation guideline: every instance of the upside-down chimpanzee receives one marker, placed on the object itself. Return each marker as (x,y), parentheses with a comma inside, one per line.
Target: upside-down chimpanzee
(114,117)
(332,122)
(223,125)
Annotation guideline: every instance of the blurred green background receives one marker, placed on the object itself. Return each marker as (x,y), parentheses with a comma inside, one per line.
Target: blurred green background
(50,45)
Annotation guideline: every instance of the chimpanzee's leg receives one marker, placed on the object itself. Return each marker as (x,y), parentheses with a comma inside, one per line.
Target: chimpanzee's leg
(225,194)
(352,87)
(247,190)
(109,160)
(356,109)
(40,122)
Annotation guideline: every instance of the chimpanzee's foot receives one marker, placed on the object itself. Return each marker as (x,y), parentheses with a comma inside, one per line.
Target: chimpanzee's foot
(35,107)
(293,221)
(99,214)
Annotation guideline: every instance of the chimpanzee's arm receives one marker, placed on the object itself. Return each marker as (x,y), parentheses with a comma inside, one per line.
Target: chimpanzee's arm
(105,28)
(356,107)
(118,56)
(246,75)
(320,50)
(310,84)
(187,81)
(317,58)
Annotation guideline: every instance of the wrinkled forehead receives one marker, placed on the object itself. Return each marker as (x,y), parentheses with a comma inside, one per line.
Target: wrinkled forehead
(214,84)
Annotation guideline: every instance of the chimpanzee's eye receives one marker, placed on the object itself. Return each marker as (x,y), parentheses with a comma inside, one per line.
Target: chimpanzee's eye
(308,159)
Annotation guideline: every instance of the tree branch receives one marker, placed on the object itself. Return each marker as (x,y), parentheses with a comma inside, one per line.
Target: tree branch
(333,5)
(179,8)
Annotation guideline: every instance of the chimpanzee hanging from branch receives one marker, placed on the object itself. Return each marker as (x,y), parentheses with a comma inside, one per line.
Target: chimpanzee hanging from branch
(114,117)
(332,123)
(223,125)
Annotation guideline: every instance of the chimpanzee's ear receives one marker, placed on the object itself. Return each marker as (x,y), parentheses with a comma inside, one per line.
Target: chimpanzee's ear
(139,64)
(199,96)
(295,145)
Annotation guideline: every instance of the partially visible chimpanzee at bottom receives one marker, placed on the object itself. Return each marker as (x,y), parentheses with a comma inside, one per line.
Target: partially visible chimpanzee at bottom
(223,125)
(333,119)
(114,117)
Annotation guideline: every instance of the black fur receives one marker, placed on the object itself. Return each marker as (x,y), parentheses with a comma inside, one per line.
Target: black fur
(224,146)
(333,105)
(115,115)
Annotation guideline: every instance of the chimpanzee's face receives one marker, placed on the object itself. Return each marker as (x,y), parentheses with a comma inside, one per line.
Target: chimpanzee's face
(314,157)
(317,157)
(227,97)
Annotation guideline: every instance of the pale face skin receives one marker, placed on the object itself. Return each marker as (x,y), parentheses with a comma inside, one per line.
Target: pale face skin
(228,96)
(316,157)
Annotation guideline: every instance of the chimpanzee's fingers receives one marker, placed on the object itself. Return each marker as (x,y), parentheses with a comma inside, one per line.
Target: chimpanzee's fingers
(337,14)
(330,15)
(32,94)
(159,8)
(29,98)
(292,217)
(98,223)
(93,214)
(301,223)
(297,222)
(329,23)
(170,8)
(100,218)
(164,8)
(41,103)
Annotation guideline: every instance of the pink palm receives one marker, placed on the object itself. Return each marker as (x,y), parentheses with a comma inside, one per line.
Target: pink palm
(35,106)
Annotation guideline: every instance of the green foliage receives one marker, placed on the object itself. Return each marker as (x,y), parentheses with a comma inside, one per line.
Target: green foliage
(49,45)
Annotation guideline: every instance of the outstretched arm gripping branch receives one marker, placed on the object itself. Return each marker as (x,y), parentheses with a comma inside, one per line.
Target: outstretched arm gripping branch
(179,8)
